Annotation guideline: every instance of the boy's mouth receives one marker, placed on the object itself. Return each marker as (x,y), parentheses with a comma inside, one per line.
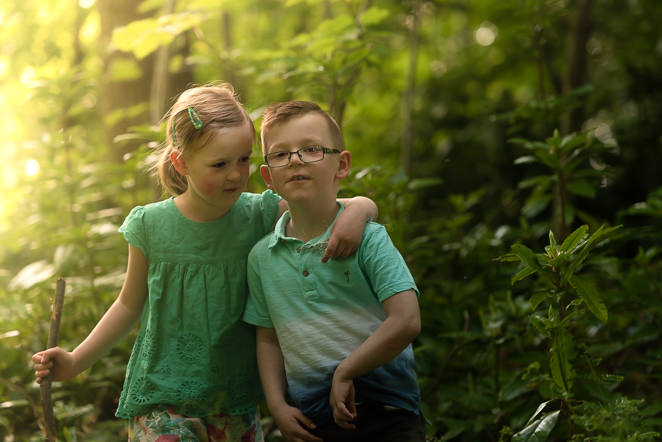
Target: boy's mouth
(297,178)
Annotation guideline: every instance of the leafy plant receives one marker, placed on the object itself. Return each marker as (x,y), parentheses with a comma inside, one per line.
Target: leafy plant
(567,162)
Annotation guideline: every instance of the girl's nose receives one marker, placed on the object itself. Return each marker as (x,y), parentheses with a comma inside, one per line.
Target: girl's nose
(234,174)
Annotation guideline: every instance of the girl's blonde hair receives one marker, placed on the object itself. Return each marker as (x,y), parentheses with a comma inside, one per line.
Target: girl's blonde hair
(216,107)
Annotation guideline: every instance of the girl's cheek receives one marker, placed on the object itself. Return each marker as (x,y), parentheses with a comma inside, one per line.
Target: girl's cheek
(209,186)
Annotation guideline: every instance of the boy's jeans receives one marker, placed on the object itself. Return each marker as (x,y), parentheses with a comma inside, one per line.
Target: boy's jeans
(375,422)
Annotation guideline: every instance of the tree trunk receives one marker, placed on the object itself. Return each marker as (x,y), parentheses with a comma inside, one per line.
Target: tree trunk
(577,63)
(116,97)
(406,146)
(576,75)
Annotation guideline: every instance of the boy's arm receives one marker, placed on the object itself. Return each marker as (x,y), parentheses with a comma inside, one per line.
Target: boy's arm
(400,328)
(347,232)
(290,420)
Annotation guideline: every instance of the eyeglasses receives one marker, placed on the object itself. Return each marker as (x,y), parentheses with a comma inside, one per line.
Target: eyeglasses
(308,154)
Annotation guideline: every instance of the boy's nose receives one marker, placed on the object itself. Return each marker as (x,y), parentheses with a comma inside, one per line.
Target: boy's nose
(295,157)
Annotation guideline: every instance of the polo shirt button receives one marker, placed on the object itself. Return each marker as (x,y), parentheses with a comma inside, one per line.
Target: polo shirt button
(298,249)
(305,273)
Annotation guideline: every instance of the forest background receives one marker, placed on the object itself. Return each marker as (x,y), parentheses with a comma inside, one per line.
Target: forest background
(513,148)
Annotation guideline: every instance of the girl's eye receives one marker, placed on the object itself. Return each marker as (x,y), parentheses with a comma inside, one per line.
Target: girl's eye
(219,165)
(245,159)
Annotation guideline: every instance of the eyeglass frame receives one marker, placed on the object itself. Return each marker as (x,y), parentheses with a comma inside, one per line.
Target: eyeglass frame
(324,149)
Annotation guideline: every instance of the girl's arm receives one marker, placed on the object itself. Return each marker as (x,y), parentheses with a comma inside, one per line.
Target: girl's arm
(290,420)
(402,325)
(115,323)
(348,230)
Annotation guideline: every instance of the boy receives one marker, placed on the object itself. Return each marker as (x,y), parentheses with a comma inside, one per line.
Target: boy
(333,339)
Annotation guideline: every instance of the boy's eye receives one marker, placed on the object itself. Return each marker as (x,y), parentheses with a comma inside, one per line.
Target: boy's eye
(245,159)
(311,149)
(279,155)
(219,165)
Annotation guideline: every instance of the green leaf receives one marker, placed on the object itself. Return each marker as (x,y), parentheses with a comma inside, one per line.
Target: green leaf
(537,298)
(574,238)
(562,354)
(582,188)
(535,204)
(542,181)
(590,296)
(141,37)
(525,272)
(422,183)
(586,248)
(540,408)
(538,430)
(571,141)
(32,274)
(526,255)
(374,15)
(525,159)
(508,257)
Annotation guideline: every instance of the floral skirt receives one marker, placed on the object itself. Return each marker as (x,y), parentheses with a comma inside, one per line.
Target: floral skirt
(167,425)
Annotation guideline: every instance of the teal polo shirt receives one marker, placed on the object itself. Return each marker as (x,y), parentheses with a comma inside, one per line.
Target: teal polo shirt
(323,311)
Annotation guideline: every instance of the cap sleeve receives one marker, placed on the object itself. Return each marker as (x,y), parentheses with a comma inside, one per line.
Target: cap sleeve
(133,228)
(269,209)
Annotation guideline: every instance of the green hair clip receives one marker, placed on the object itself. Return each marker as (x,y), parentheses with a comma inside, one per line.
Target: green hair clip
(195,119)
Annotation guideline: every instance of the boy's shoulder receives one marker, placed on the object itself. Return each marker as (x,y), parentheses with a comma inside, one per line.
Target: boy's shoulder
(373,230)
(262,245)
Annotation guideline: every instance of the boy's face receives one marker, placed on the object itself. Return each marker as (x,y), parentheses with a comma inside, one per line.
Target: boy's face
(299,181)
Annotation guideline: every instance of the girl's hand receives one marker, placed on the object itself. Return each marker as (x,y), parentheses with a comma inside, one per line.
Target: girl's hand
(347,232)
(55,361)
(345,237)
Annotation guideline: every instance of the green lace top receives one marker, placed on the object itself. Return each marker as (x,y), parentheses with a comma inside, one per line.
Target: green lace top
(193,352)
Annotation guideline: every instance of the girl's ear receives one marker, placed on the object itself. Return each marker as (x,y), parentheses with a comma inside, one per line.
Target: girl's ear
(266,176)
(177,160)
(344,164)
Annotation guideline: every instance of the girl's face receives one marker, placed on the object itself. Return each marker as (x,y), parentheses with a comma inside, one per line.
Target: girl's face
(217,172)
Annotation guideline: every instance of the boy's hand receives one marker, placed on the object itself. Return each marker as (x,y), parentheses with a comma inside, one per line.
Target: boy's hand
(342,402)
(54,361)
(292,423)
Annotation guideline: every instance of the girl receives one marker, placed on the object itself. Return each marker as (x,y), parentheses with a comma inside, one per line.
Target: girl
(192,374)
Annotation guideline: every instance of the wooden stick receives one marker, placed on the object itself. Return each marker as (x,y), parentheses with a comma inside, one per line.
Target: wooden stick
(45,386)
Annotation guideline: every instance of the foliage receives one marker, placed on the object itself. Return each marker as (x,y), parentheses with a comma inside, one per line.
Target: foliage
(537,251)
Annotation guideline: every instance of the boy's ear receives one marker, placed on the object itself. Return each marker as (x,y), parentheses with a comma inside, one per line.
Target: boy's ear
(178,162)
(266,176)
(344,164)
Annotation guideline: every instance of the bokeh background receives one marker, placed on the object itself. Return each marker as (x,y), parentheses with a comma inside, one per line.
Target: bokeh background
(478,127)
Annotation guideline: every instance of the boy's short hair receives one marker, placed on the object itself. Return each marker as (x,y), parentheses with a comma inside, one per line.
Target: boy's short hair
(280,112)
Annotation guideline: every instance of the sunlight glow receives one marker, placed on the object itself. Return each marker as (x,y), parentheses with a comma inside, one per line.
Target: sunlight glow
(485,34)
(85,3)
(90,29)
(31,167)
(4,66)
(28,75)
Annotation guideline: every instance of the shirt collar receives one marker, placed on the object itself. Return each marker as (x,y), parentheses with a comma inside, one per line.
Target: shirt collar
(280,229)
